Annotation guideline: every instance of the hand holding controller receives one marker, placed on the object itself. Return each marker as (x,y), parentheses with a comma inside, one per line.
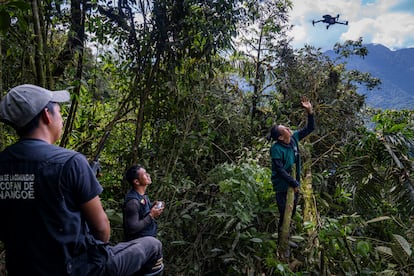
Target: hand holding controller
(159,205)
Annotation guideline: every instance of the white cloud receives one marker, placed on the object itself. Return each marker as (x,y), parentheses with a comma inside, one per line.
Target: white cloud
(394,30)
(363,28)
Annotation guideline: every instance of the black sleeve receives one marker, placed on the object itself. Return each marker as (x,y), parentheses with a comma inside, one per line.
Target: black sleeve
(278,166)
(79,183)
(310,126)
(132,223)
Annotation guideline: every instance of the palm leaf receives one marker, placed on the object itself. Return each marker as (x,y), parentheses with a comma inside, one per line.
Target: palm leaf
(401,249)
(399,149)
(385,252)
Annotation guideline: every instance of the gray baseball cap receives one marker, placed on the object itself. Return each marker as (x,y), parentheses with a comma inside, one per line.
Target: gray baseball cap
(24,102)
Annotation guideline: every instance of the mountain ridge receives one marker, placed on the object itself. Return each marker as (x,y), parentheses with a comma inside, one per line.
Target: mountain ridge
(395,68)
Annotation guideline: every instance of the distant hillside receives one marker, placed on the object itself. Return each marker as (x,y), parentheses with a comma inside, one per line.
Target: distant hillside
(396,71)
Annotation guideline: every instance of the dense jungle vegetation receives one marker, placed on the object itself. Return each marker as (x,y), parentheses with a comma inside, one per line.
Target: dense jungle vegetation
(164,79)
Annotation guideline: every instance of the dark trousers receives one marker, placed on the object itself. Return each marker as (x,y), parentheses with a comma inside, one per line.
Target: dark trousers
(281,205)
(126,258)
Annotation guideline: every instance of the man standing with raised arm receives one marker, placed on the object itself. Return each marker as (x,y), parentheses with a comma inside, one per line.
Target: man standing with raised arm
(285,160)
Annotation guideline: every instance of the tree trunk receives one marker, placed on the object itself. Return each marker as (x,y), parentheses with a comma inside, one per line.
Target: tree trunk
(257,83)
(140,126)
(1,96)
(309,206)
(285,231)
(310,213)
(39,57)
(74,40)
(79,72)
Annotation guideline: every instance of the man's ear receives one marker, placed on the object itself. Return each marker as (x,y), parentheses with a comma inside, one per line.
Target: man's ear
(46,117)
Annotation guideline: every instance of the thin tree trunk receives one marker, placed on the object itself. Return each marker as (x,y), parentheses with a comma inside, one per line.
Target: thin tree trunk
(149,85)
(257,83)
(39,49)
(285,231)
(1,96)
(310,215)
(140,126)
(78,77)
(74,40)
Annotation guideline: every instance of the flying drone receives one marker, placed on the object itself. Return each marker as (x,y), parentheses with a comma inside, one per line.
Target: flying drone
(330,20)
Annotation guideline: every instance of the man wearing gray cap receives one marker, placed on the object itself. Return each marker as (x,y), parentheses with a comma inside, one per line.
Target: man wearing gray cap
(53,219)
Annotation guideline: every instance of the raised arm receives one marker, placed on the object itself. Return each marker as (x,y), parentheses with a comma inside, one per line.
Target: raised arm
(310,126)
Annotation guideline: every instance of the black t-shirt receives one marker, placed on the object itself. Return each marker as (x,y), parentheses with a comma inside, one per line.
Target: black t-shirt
(42,187)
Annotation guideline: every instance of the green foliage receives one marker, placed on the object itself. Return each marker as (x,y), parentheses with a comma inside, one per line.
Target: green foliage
(163,87)
(376,166)
(348,247)
(394,122)
(350,48)
(248,189)
(225,227)
(259,45)
(7,136)
(8,10)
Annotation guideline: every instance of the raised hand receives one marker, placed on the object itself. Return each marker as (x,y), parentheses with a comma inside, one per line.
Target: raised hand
(306,104)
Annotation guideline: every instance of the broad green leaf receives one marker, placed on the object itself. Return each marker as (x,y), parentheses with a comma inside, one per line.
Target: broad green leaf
(363,248)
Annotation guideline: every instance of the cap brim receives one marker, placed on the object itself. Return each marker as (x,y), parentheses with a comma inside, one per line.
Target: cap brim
(60,96)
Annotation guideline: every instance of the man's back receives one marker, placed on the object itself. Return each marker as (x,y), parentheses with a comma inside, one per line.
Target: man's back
(40,205)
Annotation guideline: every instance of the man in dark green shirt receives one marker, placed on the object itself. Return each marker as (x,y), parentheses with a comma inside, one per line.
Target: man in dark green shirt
(285,159)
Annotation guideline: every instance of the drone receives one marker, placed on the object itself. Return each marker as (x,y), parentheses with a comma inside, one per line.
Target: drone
(330,20)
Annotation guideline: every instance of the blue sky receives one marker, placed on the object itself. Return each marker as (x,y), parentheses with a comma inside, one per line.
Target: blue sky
(387,22)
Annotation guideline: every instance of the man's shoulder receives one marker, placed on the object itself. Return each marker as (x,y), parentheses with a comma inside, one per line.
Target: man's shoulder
(52,153)
(56,152)
(280,146)
(275,147)
(131,202)
(37,150)
(132,194)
